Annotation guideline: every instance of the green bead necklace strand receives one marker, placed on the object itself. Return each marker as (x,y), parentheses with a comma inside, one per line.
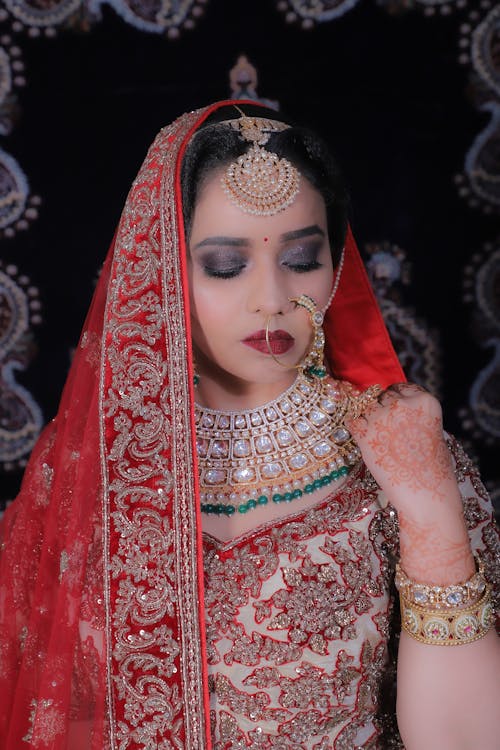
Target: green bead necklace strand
(229,509)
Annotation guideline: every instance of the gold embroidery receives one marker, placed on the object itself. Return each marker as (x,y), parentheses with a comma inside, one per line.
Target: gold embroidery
(63,563)
(300,609)
(154,696)
(46,723)
(48,473)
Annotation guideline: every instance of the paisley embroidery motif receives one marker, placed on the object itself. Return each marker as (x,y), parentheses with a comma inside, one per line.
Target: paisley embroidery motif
(481,278)
(417,346)
(483,44)
(21,416)
(157,16)
(308,14)
(478,183)
(11,77)
(429,7)
(14,190)
(48,15)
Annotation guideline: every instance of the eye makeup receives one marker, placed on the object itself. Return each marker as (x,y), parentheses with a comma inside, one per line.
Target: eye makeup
(222,264)
(303,257)
(227,257)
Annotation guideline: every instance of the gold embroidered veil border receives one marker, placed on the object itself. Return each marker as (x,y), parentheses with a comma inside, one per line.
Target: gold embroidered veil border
(101,623)
(156,681)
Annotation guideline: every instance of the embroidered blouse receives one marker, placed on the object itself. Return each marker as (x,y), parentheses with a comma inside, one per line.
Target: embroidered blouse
(298,619)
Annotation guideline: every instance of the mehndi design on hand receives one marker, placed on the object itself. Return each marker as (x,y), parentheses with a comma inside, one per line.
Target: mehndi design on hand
(433,554)
(408,445)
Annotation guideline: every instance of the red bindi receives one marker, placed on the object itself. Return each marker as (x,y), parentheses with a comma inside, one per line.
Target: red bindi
(266,239)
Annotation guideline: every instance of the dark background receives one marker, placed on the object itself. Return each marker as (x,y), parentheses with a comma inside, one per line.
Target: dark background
(385,88)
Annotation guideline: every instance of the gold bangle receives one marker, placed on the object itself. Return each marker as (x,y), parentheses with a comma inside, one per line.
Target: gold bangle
(438,627)
(442,597)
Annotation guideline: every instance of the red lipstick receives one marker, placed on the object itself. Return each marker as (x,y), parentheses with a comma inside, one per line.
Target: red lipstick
(279,342)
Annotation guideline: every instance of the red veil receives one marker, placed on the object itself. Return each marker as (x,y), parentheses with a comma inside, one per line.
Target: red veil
(101,600)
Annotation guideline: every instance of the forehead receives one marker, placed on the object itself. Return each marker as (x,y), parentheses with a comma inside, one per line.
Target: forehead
(215,214)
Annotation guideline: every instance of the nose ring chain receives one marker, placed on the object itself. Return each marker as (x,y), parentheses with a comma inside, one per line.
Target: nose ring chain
(312,364)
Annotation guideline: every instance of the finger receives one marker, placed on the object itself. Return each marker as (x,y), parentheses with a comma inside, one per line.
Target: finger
(399,390)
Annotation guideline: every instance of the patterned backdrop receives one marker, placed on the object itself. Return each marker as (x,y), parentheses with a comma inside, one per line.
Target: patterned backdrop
(406,91)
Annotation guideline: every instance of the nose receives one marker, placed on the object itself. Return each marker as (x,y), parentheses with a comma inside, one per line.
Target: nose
(268,294)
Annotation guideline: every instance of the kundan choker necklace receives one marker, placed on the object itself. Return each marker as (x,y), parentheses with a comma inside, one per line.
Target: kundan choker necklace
(286,448)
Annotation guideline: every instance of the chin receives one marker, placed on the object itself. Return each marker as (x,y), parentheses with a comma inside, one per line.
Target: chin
(267,374)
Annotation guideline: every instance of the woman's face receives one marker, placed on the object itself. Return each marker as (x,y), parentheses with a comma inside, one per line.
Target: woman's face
(243,271)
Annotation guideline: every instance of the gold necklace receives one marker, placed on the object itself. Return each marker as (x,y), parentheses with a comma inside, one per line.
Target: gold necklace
(279,451)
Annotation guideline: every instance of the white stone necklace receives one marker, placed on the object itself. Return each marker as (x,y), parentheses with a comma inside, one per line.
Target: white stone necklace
(279,451)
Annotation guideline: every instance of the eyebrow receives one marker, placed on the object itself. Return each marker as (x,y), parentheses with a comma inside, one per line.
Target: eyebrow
(296,234)
(226,241)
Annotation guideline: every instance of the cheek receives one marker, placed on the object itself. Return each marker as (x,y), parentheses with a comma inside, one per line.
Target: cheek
(317,286)
(327,280)
(211,311)
(325,286)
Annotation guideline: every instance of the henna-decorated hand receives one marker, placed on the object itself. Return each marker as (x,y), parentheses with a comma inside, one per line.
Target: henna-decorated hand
(401,439)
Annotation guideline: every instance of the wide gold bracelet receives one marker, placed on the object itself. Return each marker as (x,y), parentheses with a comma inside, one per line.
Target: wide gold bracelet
(452,627)
(442,597)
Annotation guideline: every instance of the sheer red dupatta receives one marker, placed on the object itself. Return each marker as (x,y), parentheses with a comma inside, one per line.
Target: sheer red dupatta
(102,638)
(52,677)
(101,600)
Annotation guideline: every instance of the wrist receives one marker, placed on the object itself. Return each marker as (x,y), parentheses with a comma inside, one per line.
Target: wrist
(435,550)
(462,594)
(449,615)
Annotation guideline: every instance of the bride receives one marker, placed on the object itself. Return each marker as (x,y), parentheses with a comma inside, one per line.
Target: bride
(202,551)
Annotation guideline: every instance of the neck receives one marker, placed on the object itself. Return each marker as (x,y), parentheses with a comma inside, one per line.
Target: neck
(234,394)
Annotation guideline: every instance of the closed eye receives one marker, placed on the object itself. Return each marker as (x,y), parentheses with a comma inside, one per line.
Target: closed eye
(223,273)
(303,258)
(303,267)
(222,262)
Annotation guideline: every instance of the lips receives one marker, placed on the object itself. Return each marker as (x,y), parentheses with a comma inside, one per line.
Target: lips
(279,342)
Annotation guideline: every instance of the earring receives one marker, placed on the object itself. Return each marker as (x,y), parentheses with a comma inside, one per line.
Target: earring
(312,365)
(196,377)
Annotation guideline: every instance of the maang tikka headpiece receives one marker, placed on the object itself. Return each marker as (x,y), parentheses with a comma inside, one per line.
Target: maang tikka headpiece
(260,182)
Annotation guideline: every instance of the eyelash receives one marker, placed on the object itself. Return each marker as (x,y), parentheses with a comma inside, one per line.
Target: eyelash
(233,272)
(217,274)
(303,267)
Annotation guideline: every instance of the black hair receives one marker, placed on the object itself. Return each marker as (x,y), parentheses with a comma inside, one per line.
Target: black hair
(216,145)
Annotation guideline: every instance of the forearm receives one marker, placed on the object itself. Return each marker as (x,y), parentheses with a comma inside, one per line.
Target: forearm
(449,696)
(449,663)
(434,543)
